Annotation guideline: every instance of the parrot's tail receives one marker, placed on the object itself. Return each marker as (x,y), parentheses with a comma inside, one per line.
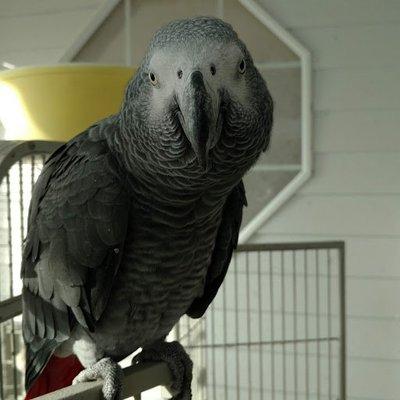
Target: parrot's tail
(57,374)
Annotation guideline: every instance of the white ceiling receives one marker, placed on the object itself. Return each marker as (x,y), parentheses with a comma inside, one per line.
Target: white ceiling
(40,31)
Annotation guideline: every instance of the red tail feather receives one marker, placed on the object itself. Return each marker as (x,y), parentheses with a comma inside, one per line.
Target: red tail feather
(58,373)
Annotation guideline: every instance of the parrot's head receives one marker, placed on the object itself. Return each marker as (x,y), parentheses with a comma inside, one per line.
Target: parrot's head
(197,87)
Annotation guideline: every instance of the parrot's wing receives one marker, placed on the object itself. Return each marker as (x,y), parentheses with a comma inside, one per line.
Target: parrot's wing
(226,242)
(76,231)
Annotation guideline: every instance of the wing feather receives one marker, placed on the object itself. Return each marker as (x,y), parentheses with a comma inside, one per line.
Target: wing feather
(78,217)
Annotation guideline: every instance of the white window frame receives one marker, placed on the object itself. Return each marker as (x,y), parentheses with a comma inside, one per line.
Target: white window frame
(306,120)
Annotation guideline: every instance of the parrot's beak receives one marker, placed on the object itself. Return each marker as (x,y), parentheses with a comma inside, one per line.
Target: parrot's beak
(195,117)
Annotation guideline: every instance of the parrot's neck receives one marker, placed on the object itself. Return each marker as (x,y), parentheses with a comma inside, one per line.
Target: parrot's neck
(169,165)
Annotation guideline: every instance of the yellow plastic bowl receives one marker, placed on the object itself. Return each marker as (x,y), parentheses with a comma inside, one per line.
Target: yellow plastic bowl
(58,102)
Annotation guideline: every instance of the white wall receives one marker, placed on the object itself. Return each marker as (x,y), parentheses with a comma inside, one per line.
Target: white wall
(39,32)
(355,192)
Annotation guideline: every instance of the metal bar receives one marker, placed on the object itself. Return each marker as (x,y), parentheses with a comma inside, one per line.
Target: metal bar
(236,329)
(289,246)
(33,163)
(329,315)
(271,291)
(260,326)
(11,272)
(21,201)
(283,325)
(318,327)
(225,340)
(295,324)
(306,325)
(1,365)
(213,351)
(269,342)
(205,358)
(342,299)
(9,237)
(248,325)
(288,312)
(1,350)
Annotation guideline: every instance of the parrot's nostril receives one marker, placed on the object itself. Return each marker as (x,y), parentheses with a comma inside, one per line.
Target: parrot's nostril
(179,73)
(213,70)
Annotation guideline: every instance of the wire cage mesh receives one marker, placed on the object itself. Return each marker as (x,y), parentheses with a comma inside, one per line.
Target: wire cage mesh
(276,329)
(18,178)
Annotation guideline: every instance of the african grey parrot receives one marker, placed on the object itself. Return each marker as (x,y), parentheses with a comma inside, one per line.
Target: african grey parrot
(133,222)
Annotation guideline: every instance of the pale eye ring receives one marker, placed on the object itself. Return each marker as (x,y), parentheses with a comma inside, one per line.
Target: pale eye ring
(152,78)
(242,66)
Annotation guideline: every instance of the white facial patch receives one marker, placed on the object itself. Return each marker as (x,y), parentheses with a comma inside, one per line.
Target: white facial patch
(195,56)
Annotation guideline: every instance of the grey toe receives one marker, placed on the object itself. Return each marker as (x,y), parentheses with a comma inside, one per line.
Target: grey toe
(179,363)
(111,374)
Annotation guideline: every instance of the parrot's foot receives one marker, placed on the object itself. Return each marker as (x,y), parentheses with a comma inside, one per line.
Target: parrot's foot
(110,372)
(179,363)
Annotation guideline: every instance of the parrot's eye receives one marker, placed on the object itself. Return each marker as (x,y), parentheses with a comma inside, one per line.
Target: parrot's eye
(179,73)
(152,78)
(242,66)
(213,70)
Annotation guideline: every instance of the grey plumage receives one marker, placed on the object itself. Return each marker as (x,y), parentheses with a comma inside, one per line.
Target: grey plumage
(133,222)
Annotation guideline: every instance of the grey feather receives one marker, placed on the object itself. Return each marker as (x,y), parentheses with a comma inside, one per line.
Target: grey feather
(133,222)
